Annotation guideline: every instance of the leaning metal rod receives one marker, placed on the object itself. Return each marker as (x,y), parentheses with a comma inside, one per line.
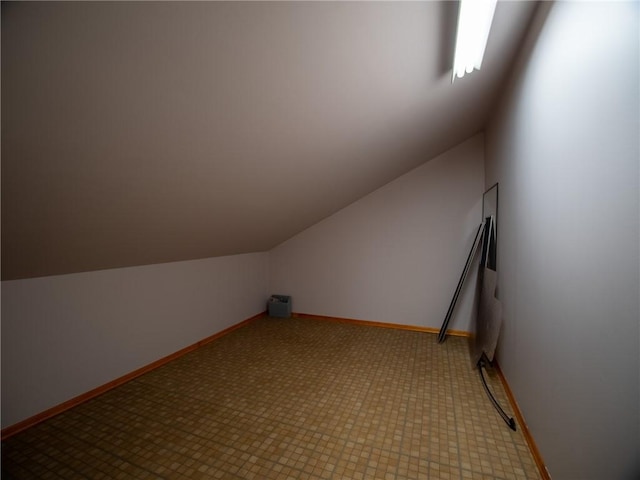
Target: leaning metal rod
(443,330)
(508,420)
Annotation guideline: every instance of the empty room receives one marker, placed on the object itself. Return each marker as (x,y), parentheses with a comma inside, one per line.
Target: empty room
(320,240)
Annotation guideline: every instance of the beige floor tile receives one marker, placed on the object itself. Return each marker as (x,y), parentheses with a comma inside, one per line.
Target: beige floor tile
(288,399)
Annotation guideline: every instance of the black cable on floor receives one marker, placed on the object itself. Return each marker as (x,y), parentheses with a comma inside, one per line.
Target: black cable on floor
(508,420)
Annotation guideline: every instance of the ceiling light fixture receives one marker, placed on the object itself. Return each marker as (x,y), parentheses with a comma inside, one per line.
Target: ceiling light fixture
(474,23)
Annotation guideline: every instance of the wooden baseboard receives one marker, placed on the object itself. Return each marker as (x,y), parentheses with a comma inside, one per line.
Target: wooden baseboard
(51,412)
(523,425)
(414,328)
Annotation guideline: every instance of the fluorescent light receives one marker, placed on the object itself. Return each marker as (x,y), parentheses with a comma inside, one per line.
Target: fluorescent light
(474,23)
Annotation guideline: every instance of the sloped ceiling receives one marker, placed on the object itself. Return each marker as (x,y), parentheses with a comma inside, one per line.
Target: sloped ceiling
(139,133)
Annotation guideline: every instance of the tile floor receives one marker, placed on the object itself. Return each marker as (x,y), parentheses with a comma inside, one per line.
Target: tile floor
(288,399)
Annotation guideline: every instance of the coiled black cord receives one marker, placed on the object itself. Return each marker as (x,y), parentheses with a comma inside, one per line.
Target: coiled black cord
(507,419)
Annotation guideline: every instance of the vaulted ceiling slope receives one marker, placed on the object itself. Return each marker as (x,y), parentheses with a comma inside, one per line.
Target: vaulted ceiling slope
(139,133)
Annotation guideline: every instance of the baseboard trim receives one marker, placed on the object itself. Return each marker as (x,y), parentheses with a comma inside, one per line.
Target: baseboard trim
(369,323)
(523,425)
(11,430)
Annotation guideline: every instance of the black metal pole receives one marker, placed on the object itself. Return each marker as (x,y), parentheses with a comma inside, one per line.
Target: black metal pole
(443,330)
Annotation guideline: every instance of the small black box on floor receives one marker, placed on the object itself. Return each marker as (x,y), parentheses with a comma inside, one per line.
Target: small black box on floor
(280,306)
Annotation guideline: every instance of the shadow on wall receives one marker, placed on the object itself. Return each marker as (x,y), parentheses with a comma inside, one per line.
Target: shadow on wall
(449,21)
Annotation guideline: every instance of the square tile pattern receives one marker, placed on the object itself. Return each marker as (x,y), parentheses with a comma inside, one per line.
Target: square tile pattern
(288,399)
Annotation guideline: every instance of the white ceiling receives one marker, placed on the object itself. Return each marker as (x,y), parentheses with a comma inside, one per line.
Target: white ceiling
(138,133)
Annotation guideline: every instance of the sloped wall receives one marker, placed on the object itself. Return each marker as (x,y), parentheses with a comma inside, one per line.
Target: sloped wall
(65,335)
(395,255)
(564,147)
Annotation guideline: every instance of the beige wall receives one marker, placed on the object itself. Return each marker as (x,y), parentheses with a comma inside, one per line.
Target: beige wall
(564,147)
(65,335)
(395,255)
